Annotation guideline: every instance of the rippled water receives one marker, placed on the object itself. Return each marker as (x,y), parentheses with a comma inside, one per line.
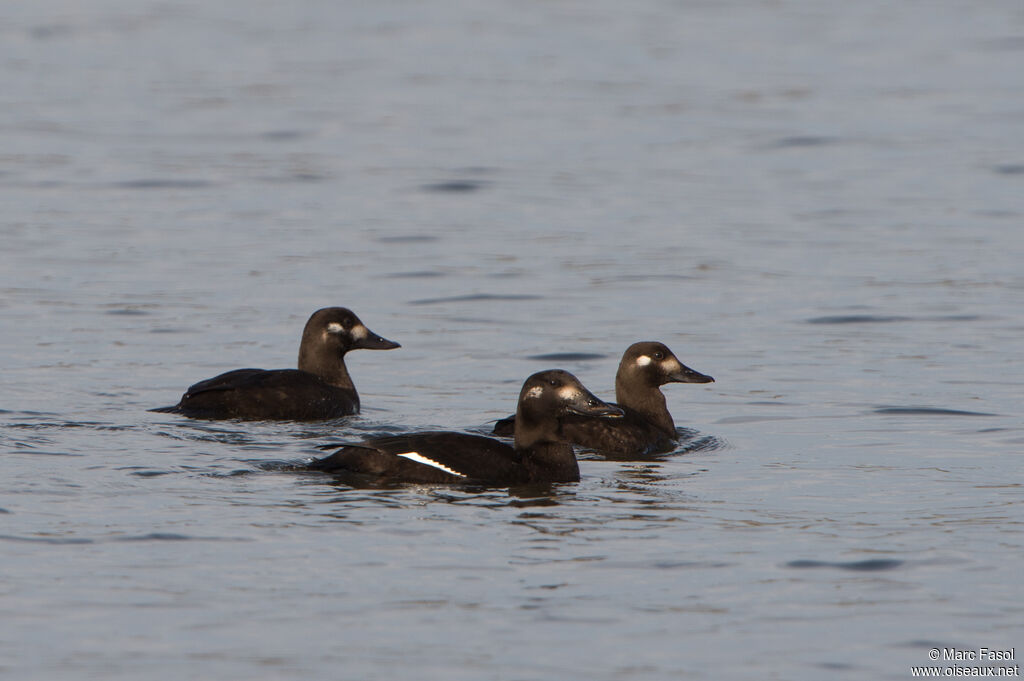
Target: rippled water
(818,204)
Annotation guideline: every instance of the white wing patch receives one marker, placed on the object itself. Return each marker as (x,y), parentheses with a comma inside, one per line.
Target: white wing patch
(643,360)
(419,458)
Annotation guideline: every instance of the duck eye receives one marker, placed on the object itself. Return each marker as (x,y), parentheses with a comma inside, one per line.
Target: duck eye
(552,382)
(659,355)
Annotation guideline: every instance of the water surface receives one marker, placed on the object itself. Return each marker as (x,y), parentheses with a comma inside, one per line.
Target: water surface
(819,205)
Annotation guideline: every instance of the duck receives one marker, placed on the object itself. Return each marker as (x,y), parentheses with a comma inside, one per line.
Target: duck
(539,452)
(646,427)
(319,389)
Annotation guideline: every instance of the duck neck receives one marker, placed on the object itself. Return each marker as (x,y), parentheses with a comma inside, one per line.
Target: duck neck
(543,455)
(328,366)
(646,400)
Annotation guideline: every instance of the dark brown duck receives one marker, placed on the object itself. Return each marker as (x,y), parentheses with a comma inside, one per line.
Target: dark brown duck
(539,452)
(319,389)
(647,426)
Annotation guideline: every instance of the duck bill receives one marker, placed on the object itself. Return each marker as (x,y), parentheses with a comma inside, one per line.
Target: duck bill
(685,374)
(371,341)
(585,403)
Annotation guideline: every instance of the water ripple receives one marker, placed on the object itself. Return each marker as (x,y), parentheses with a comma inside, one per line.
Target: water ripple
(474,297)
(889,319)
(566,356)
(158,183)
(454,186)
(929,411)
(46,540)
(797,141)
(1010,169)
(871,565)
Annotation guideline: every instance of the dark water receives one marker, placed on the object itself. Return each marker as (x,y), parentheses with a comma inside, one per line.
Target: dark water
(819,204)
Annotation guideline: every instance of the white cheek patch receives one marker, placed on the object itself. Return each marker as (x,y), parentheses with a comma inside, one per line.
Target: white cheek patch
(359,332)
(335,327)
(643,360)
(419,458)
(534,392)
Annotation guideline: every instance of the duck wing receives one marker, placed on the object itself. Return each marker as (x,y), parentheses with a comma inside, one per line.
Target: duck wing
(438,456)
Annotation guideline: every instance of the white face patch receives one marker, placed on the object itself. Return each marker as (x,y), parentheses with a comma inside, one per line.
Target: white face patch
(534,392)
(359,332)
(643,360)
(568,393)
(335,327)
(419,458)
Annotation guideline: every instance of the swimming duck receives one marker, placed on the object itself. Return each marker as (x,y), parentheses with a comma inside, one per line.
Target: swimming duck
(539,452)
(647,426)
(319,389)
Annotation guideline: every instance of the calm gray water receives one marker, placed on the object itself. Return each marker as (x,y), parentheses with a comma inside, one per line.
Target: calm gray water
(820,204)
